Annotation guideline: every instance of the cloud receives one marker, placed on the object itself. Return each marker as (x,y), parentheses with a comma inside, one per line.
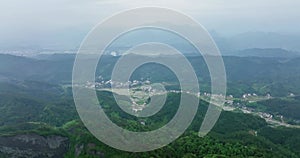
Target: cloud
(32,20)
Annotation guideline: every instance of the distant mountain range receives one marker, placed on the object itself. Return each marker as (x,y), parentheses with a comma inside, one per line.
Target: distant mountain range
(267,52)
(261,40)
(226,43)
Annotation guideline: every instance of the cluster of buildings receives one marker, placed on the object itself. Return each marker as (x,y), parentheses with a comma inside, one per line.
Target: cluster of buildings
(249,95)
(109,83)
(265,115)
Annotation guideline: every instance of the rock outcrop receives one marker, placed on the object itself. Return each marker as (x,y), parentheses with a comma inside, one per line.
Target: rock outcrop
(33,146)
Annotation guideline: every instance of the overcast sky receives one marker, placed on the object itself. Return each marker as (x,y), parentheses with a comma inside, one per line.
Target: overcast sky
(37,22)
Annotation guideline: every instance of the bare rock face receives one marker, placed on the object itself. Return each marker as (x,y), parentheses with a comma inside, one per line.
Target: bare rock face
(33,146)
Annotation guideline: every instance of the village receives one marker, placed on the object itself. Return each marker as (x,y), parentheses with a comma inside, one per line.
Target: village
(141,90)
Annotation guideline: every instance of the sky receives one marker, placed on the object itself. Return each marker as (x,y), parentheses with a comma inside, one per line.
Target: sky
(64,23)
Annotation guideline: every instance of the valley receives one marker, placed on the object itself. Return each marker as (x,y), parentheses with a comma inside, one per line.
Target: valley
(259,119)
